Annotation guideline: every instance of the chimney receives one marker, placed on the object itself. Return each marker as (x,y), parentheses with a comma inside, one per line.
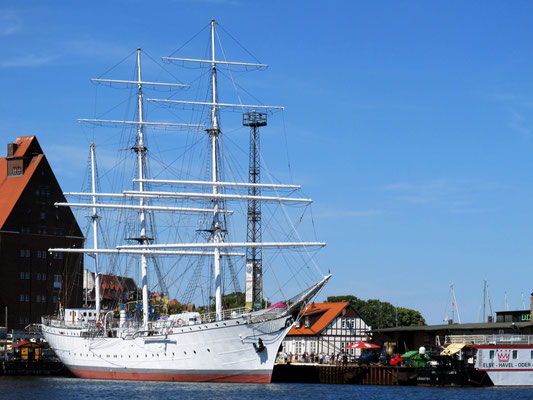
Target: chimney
(489,319)
(450,322)
(420,323)
(11,149)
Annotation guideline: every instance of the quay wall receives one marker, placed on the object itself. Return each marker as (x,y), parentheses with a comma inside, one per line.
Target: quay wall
(344,374)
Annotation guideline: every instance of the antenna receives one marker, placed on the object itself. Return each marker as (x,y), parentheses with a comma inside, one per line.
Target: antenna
(254,266)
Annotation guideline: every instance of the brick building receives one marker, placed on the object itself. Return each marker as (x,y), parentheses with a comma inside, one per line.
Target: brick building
(33,281)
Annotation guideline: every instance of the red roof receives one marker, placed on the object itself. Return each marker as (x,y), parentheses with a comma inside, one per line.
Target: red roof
(23,143)
(25,343)
(328,311)
(11,187)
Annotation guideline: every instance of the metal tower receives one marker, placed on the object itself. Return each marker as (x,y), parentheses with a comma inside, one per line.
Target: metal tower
(254,266)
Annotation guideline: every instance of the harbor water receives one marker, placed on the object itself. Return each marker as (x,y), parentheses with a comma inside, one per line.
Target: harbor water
(36,388)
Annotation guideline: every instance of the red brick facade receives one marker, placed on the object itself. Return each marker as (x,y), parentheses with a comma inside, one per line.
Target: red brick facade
(33,281)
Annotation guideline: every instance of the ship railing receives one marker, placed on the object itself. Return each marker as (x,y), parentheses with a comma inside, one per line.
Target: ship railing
(232,313)
(489,339)
(244,313)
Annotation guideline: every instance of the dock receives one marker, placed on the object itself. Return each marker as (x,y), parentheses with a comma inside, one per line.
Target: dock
(18,368)
(345,374)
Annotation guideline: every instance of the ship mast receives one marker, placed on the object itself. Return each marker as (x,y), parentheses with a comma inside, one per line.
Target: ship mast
(140,149)
(214,132)
(95,219)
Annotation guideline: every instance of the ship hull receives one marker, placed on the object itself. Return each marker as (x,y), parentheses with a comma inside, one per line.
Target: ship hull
(175,376)
(226,351)
(506,365)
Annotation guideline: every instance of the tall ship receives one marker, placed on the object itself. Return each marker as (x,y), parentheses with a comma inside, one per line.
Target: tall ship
(178,223)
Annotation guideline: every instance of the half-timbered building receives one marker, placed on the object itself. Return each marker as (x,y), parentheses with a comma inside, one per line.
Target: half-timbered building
(327,328)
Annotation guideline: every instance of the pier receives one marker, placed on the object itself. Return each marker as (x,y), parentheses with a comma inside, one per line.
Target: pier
(345,374)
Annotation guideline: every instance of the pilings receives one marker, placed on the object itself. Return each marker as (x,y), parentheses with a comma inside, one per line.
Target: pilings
(345,374)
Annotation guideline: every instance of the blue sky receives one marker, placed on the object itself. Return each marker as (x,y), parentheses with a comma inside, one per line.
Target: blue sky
(408,122)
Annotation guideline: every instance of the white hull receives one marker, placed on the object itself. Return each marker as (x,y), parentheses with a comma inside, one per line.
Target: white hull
(506,365)
(218,351)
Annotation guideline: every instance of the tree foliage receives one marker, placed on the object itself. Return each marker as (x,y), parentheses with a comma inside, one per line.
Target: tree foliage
(379,314)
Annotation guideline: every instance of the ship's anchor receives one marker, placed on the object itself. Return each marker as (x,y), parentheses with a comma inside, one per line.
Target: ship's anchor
(259,346)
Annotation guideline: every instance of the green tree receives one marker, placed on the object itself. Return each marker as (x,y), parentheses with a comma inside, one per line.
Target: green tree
(379,314)
(233,300)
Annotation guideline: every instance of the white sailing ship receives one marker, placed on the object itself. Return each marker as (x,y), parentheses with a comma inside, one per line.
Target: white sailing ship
(236,345)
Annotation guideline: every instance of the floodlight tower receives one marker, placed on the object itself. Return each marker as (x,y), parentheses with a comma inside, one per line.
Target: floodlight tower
(254,262)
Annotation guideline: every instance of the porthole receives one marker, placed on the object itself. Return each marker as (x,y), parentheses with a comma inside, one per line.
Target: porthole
(185,352)
(209,350)
(194,351)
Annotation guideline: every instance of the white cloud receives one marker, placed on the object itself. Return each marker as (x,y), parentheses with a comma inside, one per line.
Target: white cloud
(458,195)
(10,23)
(348,213)
(26,61)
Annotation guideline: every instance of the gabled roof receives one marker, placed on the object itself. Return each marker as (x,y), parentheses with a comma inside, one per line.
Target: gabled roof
(11,187)
(326,312)
(23,144)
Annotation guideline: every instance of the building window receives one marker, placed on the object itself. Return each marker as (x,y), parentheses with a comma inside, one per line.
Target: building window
(43,299)
(28,276)
(43,215)
(22,275)
(312,347)
(27,298)
(491,354)
(22,297)
(54,299)
(57,281)
(17,171)
(38,298)
(22,252)
(43,276)
(38,254)
(38,276)
(515,354)
(343,322)
(28,254)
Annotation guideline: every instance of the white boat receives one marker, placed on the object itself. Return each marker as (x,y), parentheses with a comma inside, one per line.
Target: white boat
(238,345)
(507,359)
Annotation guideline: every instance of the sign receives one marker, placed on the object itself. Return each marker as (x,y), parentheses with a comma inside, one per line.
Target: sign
(489,359)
